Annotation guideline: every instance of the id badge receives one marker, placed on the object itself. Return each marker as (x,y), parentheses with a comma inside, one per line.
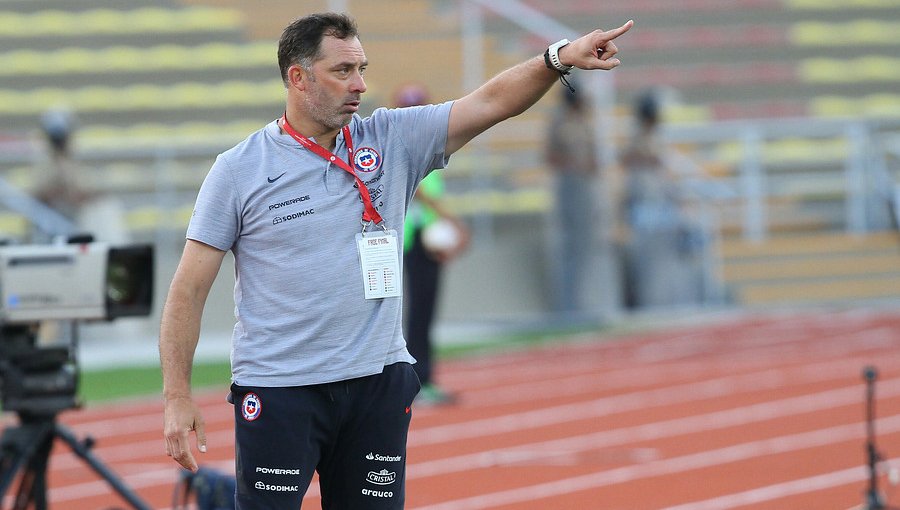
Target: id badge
(379,257)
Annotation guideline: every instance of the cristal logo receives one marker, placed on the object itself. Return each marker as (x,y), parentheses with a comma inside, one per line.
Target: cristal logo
(382,477)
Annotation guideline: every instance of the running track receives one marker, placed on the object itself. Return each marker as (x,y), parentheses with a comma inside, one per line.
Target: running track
(755,411)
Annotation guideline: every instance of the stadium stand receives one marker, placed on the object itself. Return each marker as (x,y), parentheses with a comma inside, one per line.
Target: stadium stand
(814,268)
(176,82)
(740,60)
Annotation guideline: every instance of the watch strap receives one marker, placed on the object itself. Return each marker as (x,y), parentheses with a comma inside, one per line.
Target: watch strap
(551,57)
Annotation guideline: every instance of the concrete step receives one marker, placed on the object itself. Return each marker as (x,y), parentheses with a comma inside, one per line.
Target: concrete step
(812,268)
(820,292)
(808,245)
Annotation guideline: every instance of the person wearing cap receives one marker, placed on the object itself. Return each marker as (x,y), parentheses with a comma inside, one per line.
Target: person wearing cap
(650,208)
(312,207)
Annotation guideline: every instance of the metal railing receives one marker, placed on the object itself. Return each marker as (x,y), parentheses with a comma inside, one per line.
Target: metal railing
(858,165)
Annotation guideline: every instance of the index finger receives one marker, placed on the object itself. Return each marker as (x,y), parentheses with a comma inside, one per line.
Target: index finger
(616,32)
(179,449)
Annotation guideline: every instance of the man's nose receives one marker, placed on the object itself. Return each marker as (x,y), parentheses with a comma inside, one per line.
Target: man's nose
(358,84)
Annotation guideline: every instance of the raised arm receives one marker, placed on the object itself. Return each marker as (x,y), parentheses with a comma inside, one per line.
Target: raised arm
(178,336)
(515,90)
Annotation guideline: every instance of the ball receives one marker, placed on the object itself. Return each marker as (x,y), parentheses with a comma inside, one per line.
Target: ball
(441,235)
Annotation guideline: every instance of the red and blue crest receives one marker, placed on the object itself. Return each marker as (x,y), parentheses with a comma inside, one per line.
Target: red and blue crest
(251,407)
(367,159)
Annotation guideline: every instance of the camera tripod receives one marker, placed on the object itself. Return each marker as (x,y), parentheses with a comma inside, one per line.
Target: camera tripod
(874,498)
(26,448)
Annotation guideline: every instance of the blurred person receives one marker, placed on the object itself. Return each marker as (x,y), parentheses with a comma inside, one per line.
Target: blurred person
(433,236)
(571,152)
(654,273)
(58,185)
(61,185)
(321,377)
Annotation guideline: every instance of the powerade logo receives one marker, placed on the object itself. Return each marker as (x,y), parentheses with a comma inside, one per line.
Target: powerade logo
(276,471)
(286,203)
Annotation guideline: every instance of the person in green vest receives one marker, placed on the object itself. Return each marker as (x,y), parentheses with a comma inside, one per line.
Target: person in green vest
(432,237)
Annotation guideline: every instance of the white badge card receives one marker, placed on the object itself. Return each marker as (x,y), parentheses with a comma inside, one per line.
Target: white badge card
(379,256)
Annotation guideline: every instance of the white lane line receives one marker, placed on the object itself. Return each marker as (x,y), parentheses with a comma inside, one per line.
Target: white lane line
(620,403)
(674,465)
(782,490)
(675,347)
(111,427)
(717,420)
(63,458)
(579,384)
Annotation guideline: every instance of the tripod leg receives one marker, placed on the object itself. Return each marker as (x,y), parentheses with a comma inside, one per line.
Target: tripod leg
(22,446)
(33,485)
(874,498)
(12,460)
(83,451)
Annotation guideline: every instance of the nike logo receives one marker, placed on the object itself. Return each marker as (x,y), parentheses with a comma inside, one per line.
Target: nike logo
(271,180)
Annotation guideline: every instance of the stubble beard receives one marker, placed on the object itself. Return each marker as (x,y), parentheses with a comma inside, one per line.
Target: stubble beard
(331,118)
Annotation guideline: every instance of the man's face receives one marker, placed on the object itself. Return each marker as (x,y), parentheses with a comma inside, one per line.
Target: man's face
(335,82)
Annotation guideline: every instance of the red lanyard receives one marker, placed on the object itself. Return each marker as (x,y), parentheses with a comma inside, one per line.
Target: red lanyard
(369,212)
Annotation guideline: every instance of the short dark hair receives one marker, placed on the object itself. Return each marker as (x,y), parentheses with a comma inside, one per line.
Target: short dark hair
(301,41)
(646,107)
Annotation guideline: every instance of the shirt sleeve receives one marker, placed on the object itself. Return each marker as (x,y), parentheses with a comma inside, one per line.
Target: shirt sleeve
(424,134)
(216,217)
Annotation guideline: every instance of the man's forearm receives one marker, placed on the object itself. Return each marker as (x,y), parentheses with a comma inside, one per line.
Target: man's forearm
(178,337)
(505,95)
(520,87)
(516,89)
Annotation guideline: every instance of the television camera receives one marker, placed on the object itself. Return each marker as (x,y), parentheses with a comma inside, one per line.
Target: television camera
(55,287)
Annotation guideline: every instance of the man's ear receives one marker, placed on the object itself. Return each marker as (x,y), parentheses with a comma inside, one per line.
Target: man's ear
(297,77)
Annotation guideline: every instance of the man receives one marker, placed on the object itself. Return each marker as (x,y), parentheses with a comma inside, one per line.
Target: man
(321,376)
(570,152)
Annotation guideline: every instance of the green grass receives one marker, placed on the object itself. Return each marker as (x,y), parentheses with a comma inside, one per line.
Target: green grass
(116,383)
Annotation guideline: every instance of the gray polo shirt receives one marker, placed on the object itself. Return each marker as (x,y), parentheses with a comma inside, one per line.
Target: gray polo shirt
(290,219)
